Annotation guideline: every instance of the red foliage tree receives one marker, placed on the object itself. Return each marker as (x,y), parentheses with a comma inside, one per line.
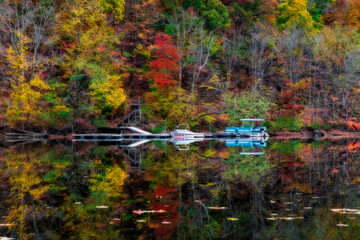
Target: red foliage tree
(290,98)
(165,198)
(165,69)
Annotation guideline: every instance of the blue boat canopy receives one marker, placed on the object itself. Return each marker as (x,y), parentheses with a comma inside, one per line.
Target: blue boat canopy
(251,120)
(239,129)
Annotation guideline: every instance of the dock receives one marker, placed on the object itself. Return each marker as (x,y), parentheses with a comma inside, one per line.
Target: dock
(178,137)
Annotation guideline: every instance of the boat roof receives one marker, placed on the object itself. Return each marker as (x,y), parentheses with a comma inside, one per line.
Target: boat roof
(252,120)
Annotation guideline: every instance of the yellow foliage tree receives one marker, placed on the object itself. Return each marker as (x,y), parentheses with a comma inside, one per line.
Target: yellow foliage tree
(110,184)
(107,92)
(88,42)
(173,105)
(354,13)
(294,13)
(27,86)
(114,6)
(27,188)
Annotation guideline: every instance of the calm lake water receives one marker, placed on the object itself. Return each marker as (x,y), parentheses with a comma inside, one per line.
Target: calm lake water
(295,190)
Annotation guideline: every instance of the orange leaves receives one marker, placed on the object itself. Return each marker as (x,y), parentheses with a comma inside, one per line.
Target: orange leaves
(345,12)
(354,146)
(334,171)
(224,154)
(354,13)
(354,125)
(224,117)
(334,99)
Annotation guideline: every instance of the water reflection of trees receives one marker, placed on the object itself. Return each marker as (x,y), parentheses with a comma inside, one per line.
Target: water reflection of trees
(55,192)
(208,192)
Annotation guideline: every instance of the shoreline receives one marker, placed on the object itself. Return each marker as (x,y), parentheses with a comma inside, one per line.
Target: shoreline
(316,135)
(286,135)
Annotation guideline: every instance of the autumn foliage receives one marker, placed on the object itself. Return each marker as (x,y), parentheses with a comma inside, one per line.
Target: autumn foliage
(355,126)
(290,100)
(165,69)
(87,60)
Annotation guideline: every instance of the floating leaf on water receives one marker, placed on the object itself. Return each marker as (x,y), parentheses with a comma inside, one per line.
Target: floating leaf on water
(233,219)
(351,210)
(6,224)
(217,208)
(290,218)
(345,211)
(102,207)
(139,212)
(336,209)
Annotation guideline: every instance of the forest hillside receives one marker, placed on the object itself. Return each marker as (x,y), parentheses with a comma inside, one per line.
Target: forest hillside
(78,64)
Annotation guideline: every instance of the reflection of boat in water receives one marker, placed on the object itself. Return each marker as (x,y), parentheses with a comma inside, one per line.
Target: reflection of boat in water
(253,143)
(248,142)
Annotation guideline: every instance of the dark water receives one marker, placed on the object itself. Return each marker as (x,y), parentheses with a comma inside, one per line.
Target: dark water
(70,190)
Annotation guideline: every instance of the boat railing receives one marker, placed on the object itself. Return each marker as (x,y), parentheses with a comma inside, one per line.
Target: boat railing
(183,127)
(183,147)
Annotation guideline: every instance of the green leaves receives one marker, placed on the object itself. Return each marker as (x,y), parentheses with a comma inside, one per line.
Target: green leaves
(317,9)
(294,13)
(249,104)
(216,14)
